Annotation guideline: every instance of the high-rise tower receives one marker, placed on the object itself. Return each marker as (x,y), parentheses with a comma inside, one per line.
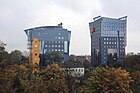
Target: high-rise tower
(50,38)
(108,40)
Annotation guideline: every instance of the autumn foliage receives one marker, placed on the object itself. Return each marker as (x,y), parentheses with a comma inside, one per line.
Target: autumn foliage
(109,80)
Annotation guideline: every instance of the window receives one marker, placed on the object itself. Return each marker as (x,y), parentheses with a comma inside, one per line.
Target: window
(66,46)
(35,58)
(79,70)
(52,45)
(36,46)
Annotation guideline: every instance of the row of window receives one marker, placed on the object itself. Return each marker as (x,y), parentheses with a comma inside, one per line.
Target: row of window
(113,46)
(49,50)
(113,43)
(54,42)
(51,46)
(113,39)
(110,47)
(111,34)
(110,42)
(56,37)
(76,69)
(113,28)
(121,50)
(59,37)
(113,23)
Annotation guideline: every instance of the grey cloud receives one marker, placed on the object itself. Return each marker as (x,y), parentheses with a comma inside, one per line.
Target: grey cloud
(17,15)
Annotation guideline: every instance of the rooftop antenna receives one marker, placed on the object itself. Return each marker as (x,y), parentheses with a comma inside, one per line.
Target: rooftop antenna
(123,18)
(96,17)
(60,25)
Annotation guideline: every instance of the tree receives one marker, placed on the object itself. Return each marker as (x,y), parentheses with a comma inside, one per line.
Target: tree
(109,80)
(132,64)
(53,76)
(16,56)
(135,86)
(52,57)
(4,56)
(2,46)
(86,64)
(7,74)
(72,58)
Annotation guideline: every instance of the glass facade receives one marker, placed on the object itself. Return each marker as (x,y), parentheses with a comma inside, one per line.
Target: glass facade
(109,37)
(51,38)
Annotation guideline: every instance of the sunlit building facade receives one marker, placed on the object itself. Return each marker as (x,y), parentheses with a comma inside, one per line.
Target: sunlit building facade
(108,40)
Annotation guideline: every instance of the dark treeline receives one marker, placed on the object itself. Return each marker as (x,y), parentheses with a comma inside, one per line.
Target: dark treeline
(16,76)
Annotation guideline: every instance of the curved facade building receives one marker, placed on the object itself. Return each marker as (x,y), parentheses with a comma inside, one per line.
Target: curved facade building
(51,38)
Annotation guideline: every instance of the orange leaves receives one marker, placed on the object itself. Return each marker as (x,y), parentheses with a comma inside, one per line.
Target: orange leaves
(109,80)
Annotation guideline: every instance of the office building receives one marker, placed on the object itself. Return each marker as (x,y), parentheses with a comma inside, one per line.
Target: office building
(108,40)
(51,38)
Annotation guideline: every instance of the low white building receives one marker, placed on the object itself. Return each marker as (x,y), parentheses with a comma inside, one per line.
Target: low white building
(75,69)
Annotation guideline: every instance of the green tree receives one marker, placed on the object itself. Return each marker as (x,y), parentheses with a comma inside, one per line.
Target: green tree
(86,64)
(16,56)
(4,56)
(109,80)
(53,57)
(135,86)
(72,58)
(132,64)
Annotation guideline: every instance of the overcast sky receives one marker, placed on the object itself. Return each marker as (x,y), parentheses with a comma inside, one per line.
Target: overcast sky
(18,15)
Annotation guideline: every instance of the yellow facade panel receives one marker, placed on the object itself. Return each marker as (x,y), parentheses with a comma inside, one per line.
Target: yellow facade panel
(35,51)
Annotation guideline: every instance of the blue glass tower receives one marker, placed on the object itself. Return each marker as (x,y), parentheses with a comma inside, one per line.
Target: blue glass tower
(108,40)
